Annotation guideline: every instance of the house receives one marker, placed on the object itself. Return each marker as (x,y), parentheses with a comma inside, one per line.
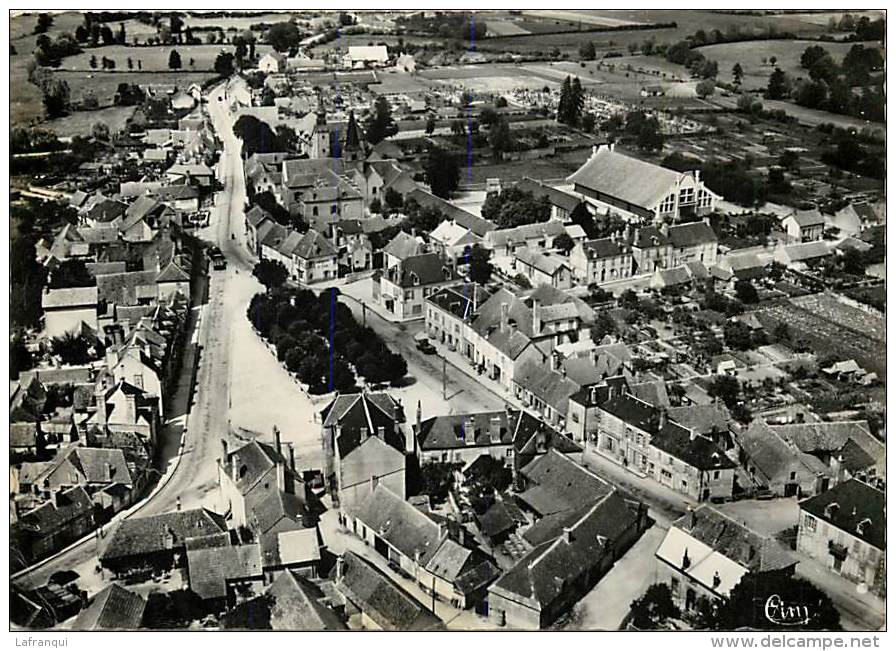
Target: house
(352,244)
(377,602)
(454,242)
(403,289)
(449,311)
(197,174)
(543,268)
(685,274)
(504,242)
(125,407)
(510,435)
(377,175)
(654,90)
(739,266)
(400,248)
(290,603)
(582,416)
(803,226)
(105,212)
(602,260)
(643,439)
(845,529)
(254,473)
(255,217)
(314,259)
(220,573)
(694,242)
(320,187)
(659,193)
(353,417)
(458,215)
(272,62)
(501,519)
(807,458)
(374,461)
(299,552)
(66,309)
(105,474)
(562,203)
(67,516)
(797,256)
(366,56)
(416,541)
(545,390)
(511,330)
(706,553)
(583,526)
(26,440)
(157,541)
(113,609)
(181,197)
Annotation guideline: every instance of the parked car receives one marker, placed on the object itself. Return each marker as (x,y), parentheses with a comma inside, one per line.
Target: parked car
(426,347)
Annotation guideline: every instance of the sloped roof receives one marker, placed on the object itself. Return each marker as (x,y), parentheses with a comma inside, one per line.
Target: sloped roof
(557,483)
(115,608)
(298,606)
(856,503)
(69,297)
(466,219)
(524,232)
(356,411)
(48,518)
(313,245)
(624,177)
(603,248)
(548,264)
(403,246)
(806,218)
(381,599)
(422,269)
(556,197)
(413,532)
(210,568)
(163,532)
(692,234)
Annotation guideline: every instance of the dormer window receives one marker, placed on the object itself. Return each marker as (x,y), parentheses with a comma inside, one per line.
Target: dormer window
(862,526)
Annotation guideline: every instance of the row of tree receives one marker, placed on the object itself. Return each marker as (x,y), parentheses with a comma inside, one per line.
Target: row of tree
(318,338)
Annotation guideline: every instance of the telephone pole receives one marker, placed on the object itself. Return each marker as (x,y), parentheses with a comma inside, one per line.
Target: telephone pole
(444,379)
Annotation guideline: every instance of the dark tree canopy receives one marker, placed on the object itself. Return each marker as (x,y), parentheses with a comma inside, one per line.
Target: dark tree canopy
(174,62)
(270,273)
(71,273)
(380,125)
(284,36)
(513,207)
(441,172)
(480,266)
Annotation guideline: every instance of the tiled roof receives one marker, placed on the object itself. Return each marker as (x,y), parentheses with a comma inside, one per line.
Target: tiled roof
(411,531)
(403,246)
(806,218)
(554,566)
(557,483)
(210,568)
(48,518)
(298,606)
(163,532)
(421,270)
(254,459)
(854,507)
(354,411)
(459,299)
(702,418)
(502,516)
(381,599)
(692,234)
(559,198)
(623,177)
(466,219)
(604,248)
(115,608)
(521,234)
(70,297)
(313,245)
(546,263)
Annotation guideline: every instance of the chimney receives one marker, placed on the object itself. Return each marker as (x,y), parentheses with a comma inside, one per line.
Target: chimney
(663,416)
(612,146)
(235,468)
(505,308)
(567,535)
(364,434)
(716,580)
(224,450)
(611,391)
(494,430)
(691,520)
(592,398)
(374,480)
(292,457)
(340,568)
(443,530)
(56,497)
(664,229)
(536,316)
(130,412)
(107,471)
(381,433)
(276,431)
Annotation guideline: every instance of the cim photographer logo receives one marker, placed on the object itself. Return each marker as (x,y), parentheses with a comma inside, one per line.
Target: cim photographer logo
(782,613)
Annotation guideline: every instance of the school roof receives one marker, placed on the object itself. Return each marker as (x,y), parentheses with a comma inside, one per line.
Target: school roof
(624,177)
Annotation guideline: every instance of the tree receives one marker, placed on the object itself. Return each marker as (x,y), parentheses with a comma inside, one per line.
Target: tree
(56,98)
(430,125)
(440,170)
(650,137)
(44,21)
(393,199)
(376,206)
(73,349)
(572,99)
(521,280)
(436,480)
(480,267)
(778,85)
(515,207)
(781,332)
(587,51)
(738,73)
(121,37)
(760,601)
(100,131)
(738,335)
(20,358)
(588,121)
(270,273)
(380,125)
(564,243)
(705,88)
(654,607)
(772,60)
(746,292)
(726,388)
(284,36)
(174,62)
(500,138)
(93,61)
(224,64)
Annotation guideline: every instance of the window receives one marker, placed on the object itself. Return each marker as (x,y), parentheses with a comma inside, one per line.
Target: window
(716,474)
(792,475)
(705,199)
(575,417)
(686,195)
(334,209)
(668,204)
(809,522)
(314,211)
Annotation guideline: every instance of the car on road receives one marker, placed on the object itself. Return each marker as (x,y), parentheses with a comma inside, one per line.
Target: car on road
(425,347)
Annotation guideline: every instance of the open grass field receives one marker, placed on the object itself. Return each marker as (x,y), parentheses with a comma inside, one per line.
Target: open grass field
(751,53)
(104,85)
(823,17)
(153,58)
(80,123)
(585,18)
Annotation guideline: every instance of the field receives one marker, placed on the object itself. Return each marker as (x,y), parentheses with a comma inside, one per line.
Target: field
(152,58)
(822,17)
(751,53)
(583,17)
(104,85)
(80,123)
